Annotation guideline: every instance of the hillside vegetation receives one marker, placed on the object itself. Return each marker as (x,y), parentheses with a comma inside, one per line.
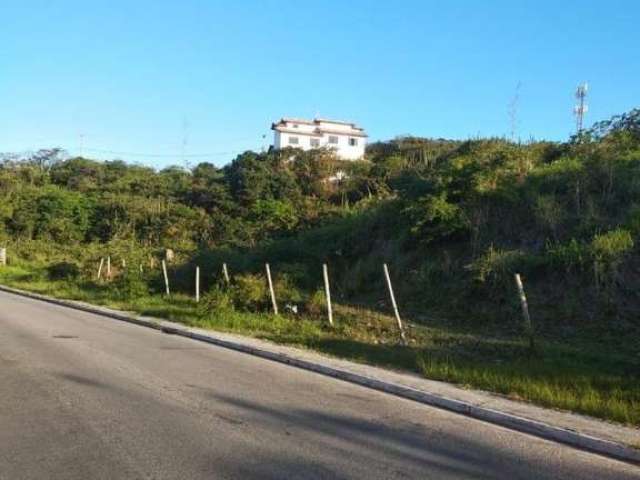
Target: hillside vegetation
(454,220)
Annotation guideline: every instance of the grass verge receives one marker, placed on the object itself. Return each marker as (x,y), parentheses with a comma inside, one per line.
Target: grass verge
(578,375)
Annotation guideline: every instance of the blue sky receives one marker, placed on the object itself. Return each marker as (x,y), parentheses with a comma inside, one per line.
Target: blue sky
(140,76)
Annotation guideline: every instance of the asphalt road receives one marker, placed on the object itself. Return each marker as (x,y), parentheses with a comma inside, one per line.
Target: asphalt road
(86,397)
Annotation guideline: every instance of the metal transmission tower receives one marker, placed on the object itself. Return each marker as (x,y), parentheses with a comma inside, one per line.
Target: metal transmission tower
(513,112)
(185,141)
(81,143)
(581,107)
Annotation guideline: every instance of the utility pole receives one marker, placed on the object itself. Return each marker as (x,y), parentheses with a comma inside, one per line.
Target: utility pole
(581,107)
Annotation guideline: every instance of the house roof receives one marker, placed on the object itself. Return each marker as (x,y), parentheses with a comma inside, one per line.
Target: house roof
(354,133)
(335,122)
(318,132)
(297,120)
(314,133)
(281,126)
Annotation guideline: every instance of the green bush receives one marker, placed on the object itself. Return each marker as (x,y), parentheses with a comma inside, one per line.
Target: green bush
(496,265)
(130,285)
(316,304)
(286,291)
(63,271)
(249,292)
(611,246)
(435,218)
(569,256)
(297,274)
(549,212)
(217,300)
(608,250)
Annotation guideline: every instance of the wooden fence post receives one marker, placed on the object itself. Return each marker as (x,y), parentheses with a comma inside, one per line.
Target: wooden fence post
(124,264)
(525,311)
(109,267)
(100,267)
(393,302)
(273,294)
(327,292)
(3,256)
(166,277)
(225,273)
(197,284)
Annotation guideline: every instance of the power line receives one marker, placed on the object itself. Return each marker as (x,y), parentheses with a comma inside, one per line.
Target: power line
(181,154)
(163,155)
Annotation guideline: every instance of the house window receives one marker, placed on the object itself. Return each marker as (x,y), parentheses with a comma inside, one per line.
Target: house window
(314,142)
(295,125)
(293,140)
(353,142)
(333,139)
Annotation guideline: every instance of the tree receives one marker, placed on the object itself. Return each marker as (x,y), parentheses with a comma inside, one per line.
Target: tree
(46,158)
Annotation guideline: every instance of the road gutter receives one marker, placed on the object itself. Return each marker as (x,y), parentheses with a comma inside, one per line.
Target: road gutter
(543,430)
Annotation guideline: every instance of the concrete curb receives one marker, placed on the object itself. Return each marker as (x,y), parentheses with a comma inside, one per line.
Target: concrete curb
(539,429)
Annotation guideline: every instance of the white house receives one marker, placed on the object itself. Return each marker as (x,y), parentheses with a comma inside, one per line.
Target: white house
(347,139)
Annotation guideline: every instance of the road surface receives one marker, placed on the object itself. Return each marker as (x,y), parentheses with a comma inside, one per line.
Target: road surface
(87,397)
